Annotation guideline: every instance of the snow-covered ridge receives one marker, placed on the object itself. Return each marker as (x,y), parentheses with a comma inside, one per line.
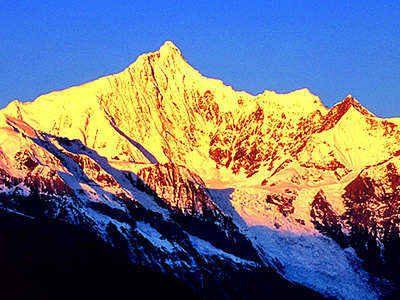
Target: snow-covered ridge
(160,108)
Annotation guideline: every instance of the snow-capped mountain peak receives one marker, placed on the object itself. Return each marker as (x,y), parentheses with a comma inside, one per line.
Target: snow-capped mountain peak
(189,176)
(169,47)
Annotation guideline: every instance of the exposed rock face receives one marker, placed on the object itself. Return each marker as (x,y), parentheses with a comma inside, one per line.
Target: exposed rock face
(189,177)
(180,192)
(373,208)
(283,202)
(326,220)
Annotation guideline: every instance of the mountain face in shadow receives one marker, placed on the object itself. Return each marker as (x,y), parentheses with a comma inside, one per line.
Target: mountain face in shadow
(49,259)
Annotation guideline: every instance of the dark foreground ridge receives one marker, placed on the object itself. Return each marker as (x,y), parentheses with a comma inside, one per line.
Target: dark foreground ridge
(50,259)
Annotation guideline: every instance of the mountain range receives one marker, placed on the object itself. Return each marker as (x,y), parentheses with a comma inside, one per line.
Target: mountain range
(232,195)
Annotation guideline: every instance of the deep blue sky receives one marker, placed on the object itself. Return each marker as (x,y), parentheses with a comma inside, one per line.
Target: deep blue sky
(331,47)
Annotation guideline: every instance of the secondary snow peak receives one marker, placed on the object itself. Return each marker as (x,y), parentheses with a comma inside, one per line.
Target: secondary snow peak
(352,102)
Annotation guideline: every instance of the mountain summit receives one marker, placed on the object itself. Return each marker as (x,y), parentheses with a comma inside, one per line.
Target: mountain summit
(189,177)
(169,47)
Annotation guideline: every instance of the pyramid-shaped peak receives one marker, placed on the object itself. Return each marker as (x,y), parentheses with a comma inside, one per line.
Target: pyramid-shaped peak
(336,113)
(349,100)
(168,51)
(169,47)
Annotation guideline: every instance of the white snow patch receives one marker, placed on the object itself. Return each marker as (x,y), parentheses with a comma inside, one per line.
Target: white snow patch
(206,248)
(149,203)
(102,220)
(155,237)
(317,262)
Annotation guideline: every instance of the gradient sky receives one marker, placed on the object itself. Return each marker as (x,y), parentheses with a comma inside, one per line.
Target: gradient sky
(331,47)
